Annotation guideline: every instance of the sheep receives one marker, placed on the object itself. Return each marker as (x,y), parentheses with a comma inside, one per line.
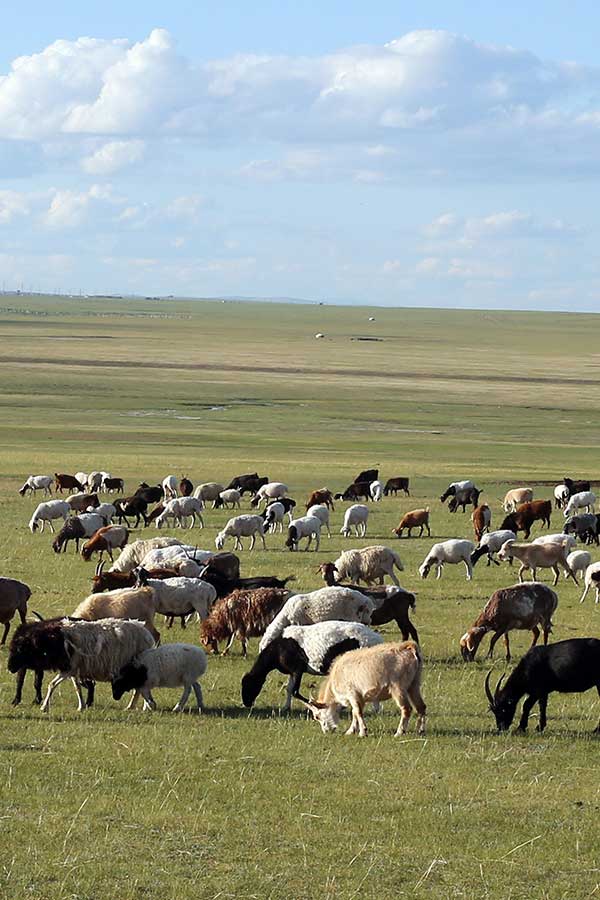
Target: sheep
(13,598)
(133,554)
(452,551)
(526,514)
(321,511)
(304,527)
(46,512)
(239,527)
(29,650)
(416,518)
(582,526)
(490,543)
(538,556)
(106,539)
(64,482)
(242,614)
(372,674)
(81,477)
(274,490)
(129,603)
(110,485)
(320,497)
(320,606)
(209,492)
(584,499)
(174,665)
(72,530)
(107,510)
(273,516)
(355,516)
(97,651)
(514,497)
(305,648)
(591,577)
(169,486)
(561,496)
(376,490)
(369,564)
(578,562)
(481,518)
(461,492)
(37,483)
(189,560)
(523,606)
(179,596)
(230,498)
(559,538)
(180,509)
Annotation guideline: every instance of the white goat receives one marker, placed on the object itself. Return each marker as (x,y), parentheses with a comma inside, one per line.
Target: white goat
(239,527)
(170,485)
(490,543)
(37,483)
(516,496)
(376,491)
(321,512)
(355,517)
(592,578)
(170,666)
(47,512)
(180,509)
(453,551)
(583,500)
(304,527)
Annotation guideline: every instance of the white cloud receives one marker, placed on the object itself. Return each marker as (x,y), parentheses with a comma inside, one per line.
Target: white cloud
(71,209)
(113,156)
(12,204)
(186,207)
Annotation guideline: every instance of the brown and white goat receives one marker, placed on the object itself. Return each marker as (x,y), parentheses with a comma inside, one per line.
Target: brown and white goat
(105,540)
(515,497)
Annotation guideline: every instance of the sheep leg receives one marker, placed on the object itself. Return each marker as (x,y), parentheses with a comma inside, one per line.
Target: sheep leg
(109,551)
(51,526)
(200,520)
(134,700)
(262,537)
(229,645)
(328,530)
(180,705)
(308,543)
(253,541)
(586,589)
(199,699)
(19,681)
(569,574)
(4,636)
(469,569)
(58,679)
(149,701)
(38,680)
(521,570)
(438,571)
(543,706)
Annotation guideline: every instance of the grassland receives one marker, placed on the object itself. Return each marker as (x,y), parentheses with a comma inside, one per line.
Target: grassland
(255,805)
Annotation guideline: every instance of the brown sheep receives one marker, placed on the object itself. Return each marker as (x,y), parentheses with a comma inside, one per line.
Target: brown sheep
(242,614)
(322,497)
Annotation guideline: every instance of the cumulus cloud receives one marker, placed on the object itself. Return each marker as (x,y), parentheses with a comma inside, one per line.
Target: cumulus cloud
(113,156)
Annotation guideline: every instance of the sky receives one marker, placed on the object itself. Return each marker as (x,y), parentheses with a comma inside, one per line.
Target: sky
(395,154)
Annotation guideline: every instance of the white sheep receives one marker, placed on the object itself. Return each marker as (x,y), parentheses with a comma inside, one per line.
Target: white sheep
(209,492)
(274,515)
(91,523)
(369,565)
(452,551)
(94,481)
(376,491)
(326,604)
(355,517)
(515,497)
(37,483)
(239,527)
(304,527)
(106,510)
(589,580)
(170,487)
(490,543)
(578,561)
(230,498)
(133,554)
(188,560)
(321,512)
(170,666)
(274,490)
(559,538)
(180,596)
(180,509)
(583,500)
(47,512)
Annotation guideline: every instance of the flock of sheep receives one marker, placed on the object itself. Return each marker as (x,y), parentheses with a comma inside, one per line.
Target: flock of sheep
(112,637)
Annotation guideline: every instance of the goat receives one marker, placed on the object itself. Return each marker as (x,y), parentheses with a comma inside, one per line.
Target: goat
(490,543)
(515,497)
(248,483)
(358,490)
(538,556)
(13,598)
(64,482)
(452,551)
(105,540)
(186,487)
(393,485)
(481,518)
(526,514)
(37,483)
(47,512)
(369,564)
(416,518)
(321,497)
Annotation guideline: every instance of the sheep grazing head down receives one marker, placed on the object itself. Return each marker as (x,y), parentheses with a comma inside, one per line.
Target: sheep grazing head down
(424,569)
(130,678)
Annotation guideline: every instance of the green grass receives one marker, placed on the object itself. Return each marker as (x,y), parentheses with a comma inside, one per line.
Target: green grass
(237,804)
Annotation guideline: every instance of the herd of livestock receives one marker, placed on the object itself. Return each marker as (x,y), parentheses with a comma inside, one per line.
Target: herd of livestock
(111,636)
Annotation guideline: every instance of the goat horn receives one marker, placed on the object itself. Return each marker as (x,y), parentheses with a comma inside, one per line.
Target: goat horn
(37,615)
(303,699)
(488,692)
(497,691)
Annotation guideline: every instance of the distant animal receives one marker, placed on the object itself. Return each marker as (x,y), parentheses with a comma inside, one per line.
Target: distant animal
(526,514)
(358,490)
(416,518)
(367,475)
(64,482)
(248,483)
(393,485)
(322,497)
(37,483)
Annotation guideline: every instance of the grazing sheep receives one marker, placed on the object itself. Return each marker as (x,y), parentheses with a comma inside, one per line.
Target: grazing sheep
(583,500)
(108,511)
(538,556)
(521,606)
(209,492)
(230,498)
(516,496)
(578,562)
(129,603)
(452,552)
(305,648)
(591,579)
(273,516)
(37,483)
(370,564)
(133,554)
(274,490)
(13,598)
(355,517)
(47,512)
(174,665)
(321,511)
(320,606)
(239,527)
(304,527)
(584,527)
(169,486)
(72,530)
(180,509)
(368,675)
(416,518)
(107,539)
(242,614)
(490,543)
(559,538)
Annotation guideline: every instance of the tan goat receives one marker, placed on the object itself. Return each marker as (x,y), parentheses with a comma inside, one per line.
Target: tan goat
(538,556)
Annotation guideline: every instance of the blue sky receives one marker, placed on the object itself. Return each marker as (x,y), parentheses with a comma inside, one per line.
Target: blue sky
(433,154)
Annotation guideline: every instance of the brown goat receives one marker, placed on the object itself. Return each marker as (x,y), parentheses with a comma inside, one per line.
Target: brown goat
(107,539)
(416,518)
(113,581)
(481,518)
(64,482)
(243,614)
(322,497)
(526,514)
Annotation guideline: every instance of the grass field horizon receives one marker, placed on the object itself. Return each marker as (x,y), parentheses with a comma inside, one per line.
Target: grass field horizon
(253,804)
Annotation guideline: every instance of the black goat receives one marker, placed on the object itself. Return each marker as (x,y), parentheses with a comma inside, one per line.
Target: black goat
(569,667)
(575,487)
(72,530)
(225,586)
(151,494)
(132,506)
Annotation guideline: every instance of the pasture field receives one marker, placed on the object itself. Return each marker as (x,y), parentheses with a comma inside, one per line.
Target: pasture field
(239,804)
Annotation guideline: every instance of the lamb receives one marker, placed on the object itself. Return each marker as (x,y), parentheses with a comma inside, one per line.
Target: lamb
(209,492)
(584,499)
(321,511)
(490,543)
(37,483)
(230,498)
(481,518)
(538,556)
(376,489)
(107,539)
(273,516)
(180,509)
(242,614)
(169,486)
(133,554)
(274,490)
(174,665)
(47,512)
(355,517)
(416,518)
(320,606)
(129,603)
(453,552)
(370,564)
(514,497)
(239,527)
(578,562)
(372,674)
(591,578)
(13,598)
(96,651)
(304,527)
(305,648)
(522,606)
(179,596)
